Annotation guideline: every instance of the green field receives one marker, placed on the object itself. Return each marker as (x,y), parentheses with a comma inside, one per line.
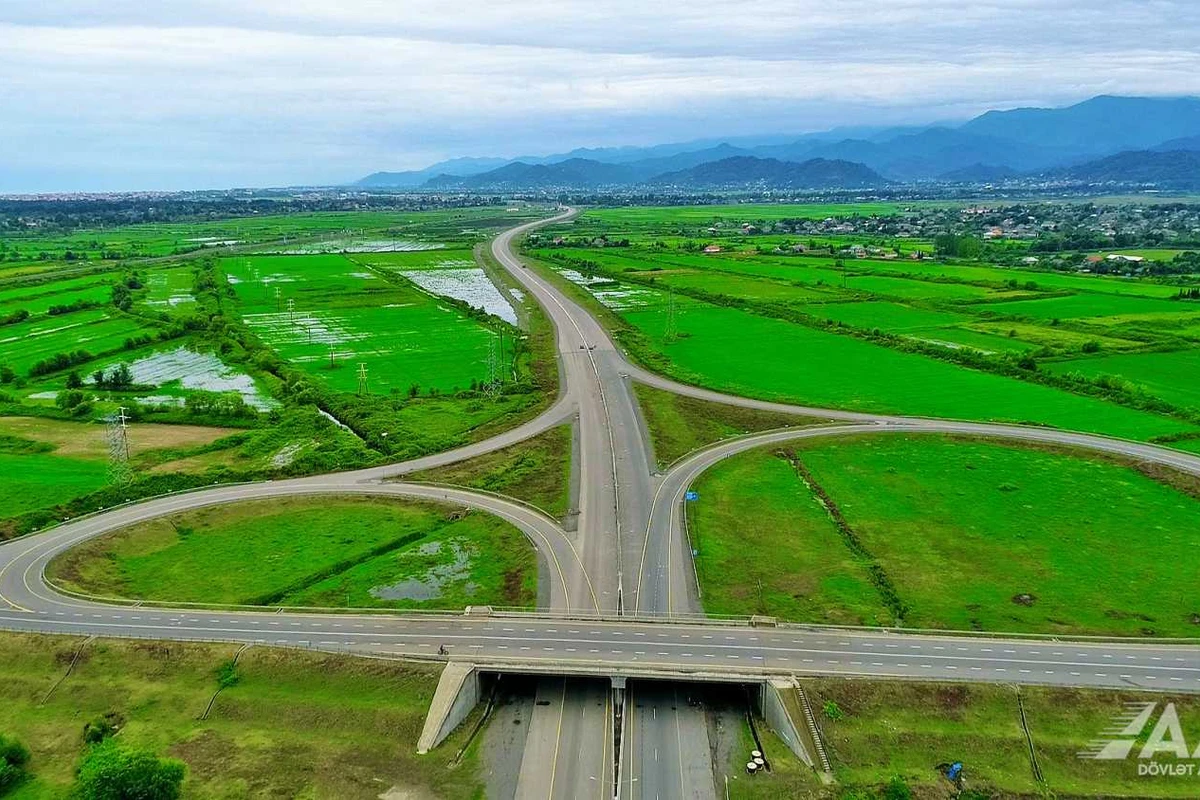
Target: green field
(404,336)
(970,535)
(1081,306)
(47,461)
(1175,377)
(722,348)
(890,317)
(308,232)
(295,724)
(884,729)
(679,425)
(329,551)
(537,471)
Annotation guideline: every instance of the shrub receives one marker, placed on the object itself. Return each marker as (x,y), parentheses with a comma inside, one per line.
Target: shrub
(101,728)
(13,758)
(110,772)
(67,400)
(227,674)
(833,711)
(896,789)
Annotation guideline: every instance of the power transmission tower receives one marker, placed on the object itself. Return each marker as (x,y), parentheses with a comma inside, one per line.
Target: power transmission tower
(117,434)
(362,379)
(492,387)
(278,300)
(332,356)
(291,307)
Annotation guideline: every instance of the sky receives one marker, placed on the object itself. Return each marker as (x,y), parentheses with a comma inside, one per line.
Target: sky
(122,95)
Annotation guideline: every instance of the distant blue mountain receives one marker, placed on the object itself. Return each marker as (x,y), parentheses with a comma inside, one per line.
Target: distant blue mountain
(1024,140)
(1102,125)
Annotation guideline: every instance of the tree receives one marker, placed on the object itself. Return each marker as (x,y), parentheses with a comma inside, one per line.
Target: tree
(122,298)
(120,377)
(111,772)
(70,399)
(73,380)
(6,374)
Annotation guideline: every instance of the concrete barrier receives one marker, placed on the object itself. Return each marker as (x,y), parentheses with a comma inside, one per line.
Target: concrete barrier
(457,694)
(778,713)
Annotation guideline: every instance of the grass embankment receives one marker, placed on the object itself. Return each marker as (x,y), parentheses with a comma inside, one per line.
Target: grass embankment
(949,533)
(327,551)
(679,425)
(537,471)
(294,724)
(880,730)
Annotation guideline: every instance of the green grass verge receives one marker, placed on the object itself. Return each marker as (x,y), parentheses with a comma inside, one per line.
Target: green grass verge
(334,551)
(537,470)
(296,724)
(678,425)
(969,535)
(888,729)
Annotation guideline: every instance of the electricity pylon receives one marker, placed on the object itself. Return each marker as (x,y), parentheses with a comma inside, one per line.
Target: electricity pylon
(117,434)
(492,387)
(362,379)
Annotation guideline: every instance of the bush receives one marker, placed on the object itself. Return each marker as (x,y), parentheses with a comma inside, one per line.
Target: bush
(227,674)
(833,711)
(101,728)
(896,789)
(110,772)
(13,758)
(67,400)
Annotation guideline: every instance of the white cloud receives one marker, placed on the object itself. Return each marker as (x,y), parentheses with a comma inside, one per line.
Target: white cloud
(217,92)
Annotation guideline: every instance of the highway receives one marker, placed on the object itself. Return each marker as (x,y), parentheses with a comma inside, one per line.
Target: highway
(619,592)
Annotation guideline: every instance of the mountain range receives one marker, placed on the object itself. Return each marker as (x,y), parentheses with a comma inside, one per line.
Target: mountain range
(1104,139)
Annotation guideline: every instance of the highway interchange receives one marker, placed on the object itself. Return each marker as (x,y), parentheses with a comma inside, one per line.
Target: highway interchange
(619,595)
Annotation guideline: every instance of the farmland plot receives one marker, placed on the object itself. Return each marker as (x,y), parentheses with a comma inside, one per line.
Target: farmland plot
(328,314)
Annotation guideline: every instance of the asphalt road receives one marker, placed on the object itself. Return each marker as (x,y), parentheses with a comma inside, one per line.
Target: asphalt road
(628,555)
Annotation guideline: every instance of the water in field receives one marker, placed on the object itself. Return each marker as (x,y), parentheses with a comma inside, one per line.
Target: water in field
(357,246)
(613,294)
(200,371)
(429,586)
(462,280)
(169,288)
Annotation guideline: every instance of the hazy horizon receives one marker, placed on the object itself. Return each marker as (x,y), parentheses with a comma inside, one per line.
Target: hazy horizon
(215,94)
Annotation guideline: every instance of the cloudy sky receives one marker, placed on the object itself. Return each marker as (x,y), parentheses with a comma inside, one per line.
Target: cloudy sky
(128,94)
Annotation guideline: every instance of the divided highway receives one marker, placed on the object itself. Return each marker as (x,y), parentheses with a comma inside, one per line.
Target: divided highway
(621,587)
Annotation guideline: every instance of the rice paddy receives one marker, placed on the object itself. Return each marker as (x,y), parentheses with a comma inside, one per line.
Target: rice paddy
(328,314)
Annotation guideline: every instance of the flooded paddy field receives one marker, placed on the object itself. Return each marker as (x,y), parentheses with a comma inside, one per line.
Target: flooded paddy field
(327,314)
